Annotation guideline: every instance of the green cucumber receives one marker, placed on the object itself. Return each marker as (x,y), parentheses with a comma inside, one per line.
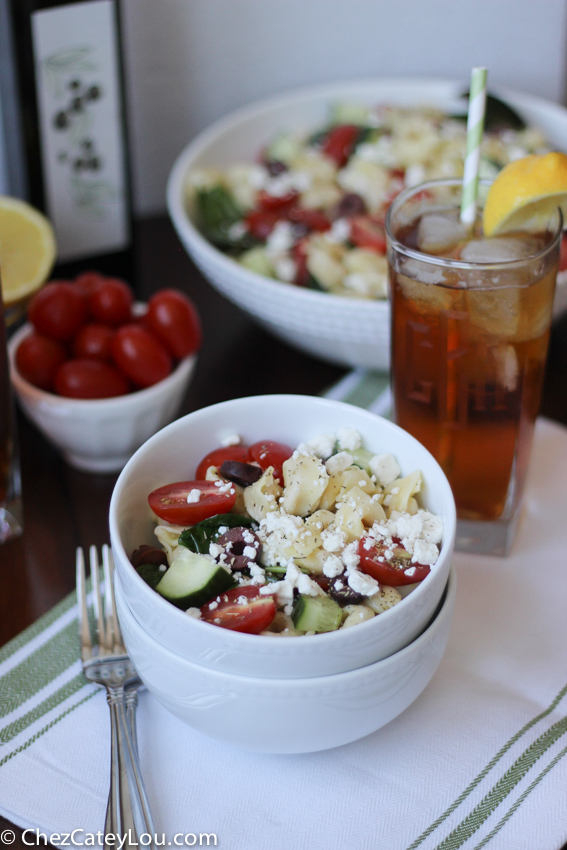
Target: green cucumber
(362,458)
(151,573)
(316,614)
(194,579)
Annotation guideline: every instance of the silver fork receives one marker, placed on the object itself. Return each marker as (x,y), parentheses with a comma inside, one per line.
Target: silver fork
(106,662)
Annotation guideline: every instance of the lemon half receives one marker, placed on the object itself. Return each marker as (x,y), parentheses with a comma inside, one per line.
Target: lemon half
(27,249)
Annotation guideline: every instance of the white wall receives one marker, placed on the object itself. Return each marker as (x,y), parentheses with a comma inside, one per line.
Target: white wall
(190,61)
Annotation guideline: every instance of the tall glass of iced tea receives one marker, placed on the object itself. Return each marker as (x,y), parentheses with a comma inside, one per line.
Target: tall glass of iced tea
(470,330)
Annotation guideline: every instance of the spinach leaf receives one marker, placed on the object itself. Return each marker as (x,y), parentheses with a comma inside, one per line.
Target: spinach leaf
(217,212)
(199,537)
(498,115)
(151,573)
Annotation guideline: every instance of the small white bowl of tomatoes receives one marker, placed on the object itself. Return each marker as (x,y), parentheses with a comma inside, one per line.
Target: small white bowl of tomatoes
(99,373)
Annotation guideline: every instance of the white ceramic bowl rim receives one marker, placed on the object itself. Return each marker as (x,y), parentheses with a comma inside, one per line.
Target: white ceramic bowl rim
(176,182)
(98,404)
(247,641)
(339,679)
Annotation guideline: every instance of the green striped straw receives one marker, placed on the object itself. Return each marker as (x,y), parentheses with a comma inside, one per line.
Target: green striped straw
(475,127)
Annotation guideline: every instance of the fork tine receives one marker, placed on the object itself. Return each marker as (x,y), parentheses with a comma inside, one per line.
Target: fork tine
(112,624)
(84,630)
(104,643)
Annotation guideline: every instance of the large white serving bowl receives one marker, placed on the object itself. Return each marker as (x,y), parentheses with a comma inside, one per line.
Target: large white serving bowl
(100,435)
(173,454)
(288,715)
(347,331)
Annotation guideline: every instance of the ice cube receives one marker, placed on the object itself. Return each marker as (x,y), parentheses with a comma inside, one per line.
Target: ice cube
(499,249)
(495,312)
(437,233)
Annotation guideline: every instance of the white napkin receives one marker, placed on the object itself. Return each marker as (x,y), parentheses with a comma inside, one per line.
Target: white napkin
(480,759)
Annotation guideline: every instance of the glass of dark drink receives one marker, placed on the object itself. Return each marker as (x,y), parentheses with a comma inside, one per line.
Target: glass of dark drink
(470,329)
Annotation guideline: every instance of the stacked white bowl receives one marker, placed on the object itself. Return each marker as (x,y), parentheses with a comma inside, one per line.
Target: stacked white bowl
(267,693)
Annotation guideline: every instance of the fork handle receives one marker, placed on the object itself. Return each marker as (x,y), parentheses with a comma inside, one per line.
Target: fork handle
(128,811)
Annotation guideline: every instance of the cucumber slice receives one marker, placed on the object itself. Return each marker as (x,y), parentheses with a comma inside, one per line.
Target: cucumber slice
(257,261)
(192,580)
(361,458)
(316,614)
(151,573)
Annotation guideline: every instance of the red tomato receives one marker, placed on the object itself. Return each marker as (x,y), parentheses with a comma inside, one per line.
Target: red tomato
(87,282)
(274,203)
(170,502)
(111,302)
(218,457)
(140,356)
(340,143)
(241,609)
(173,319)
(58,310)
(367,232)
(94,341)
(563,253)
(312,219)
(38,358)
(389,571)
(86,378)
(268,453)
(260,223)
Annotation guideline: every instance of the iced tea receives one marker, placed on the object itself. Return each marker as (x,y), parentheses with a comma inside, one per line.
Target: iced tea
(470,331)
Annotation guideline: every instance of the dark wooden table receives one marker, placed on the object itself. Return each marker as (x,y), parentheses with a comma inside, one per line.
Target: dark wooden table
(65,508)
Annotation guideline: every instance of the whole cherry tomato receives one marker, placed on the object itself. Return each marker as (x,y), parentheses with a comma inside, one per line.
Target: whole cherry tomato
(57,311)
(340,143)
(173,319)
(38,358)
(140,356)
(111,302)
(86,378)
(391,571)
(87,282)
(268,453)
(170,502)
(242,609)
(94,341)
(218,456)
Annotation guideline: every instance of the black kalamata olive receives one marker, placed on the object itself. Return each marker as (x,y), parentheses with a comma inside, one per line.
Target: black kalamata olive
(234,542)
(276,167)
(240,473)
(148,555)
(343,593)
(349,205)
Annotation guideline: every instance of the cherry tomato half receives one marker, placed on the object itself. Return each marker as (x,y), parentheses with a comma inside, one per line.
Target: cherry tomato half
(85,378)
(170,502)
(110,302)
(140,356)
(389,571)
(367,232)
(260,223)
(218,456)
(268,453)
(241,609)
(94,341)
(275,203)
(58,310)
(340,143)
(172,317)
(38,359)
(312,219)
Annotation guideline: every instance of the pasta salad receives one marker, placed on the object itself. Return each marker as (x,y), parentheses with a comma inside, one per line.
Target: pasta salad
(310,211)
(279,541)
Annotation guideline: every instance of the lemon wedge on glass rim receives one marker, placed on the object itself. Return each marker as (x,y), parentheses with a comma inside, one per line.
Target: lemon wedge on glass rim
(526,194)
(27,249)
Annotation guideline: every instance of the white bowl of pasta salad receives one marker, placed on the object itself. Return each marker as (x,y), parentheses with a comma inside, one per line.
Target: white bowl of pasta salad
(281,204)
(283,537)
